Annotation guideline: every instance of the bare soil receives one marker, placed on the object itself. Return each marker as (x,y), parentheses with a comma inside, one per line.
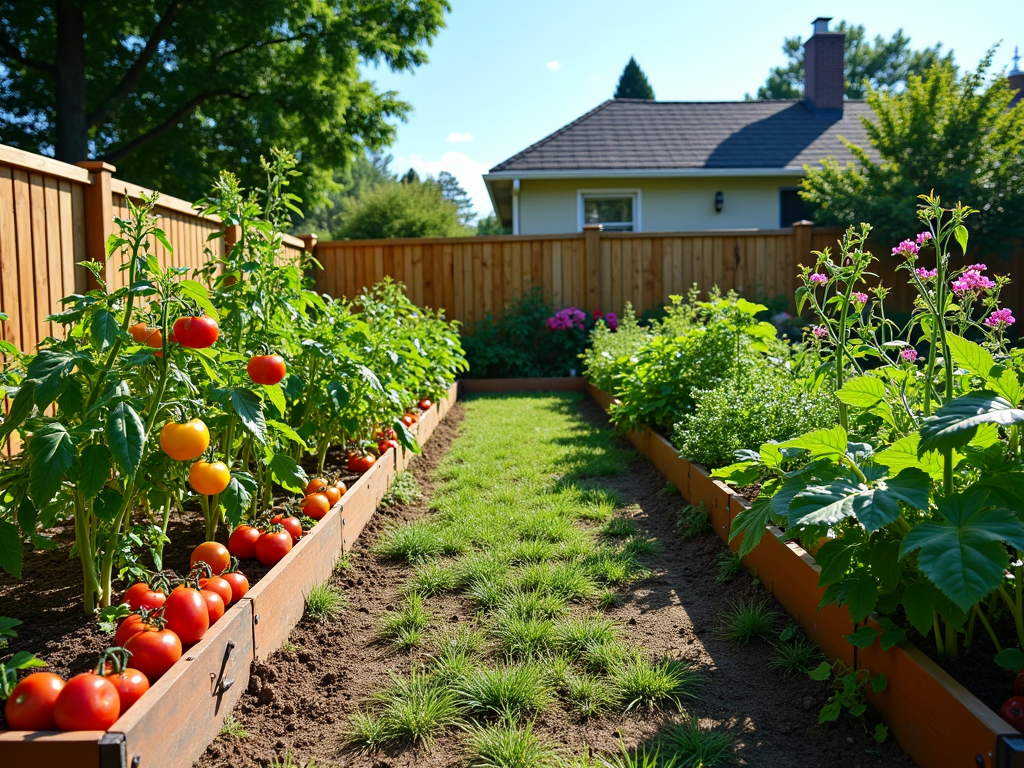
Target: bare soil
(300,699)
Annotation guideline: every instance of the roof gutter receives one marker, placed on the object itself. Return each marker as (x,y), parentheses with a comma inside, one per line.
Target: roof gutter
(639,173)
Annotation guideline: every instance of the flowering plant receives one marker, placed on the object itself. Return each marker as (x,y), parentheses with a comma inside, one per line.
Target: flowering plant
(571,329)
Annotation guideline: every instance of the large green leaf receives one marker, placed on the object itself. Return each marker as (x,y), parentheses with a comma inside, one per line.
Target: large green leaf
(21,407)
(751,523)
(237,497)
(52,452)
(740,474)
(275,395)
(965,555)
(126,437)
(104,330)
(339,395)
(249,409)
(903,453)
(405,437)
(50,370)
(970,356)
(862,392)
(198,293)
(95,468)
(10,549)
(956,422)
(288,473)
(823,443)
(874,505)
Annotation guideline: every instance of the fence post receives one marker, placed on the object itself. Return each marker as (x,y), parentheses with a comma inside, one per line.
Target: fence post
(592,265)
(801,249)
(99,221)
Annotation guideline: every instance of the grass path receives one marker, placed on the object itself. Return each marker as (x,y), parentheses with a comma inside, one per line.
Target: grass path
(524,533)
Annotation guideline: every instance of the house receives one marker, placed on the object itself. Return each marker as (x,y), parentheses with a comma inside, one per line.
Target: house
(650,166)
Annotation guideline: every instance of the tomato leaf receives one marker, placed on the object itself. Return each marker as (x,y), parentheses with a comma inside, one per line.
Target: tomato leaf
(197,292)
(104,330)
(956,422)
(95,468)
(52,453)
(237,497)
(10,549)
(50,369)
(821,672)
(21,407)
(406,438)
(965,555)
(285,431)
(288,473)
(7,626)
(126,437)
(339,396)
(250,412)
(1011,659)
(276,396)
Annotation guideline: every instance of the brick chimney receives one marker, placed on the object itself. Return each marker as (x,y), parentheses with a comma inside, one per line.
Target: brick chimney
(824,83)
(1016,78)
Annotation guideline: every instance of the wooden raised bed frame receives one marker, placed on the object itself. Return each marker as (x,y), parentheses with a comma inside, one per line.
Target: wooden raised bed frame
(174,722)
(936,720)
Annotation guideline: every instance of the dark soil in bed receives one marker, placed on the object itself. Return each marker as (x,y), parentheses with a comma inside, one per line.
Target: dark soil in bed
(48,598)
(301,698)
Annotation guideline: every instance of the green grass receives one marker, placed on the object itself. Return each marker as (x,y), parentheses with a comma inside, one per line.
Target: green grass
(324,603)
(508,691)
(429,579)
(693,747)
(411,543)
(796,656)
(507,746)
(729,566)
(344,562)
(747,620)
(290,761)
(231,727)
(619,528)
(403,490)
(693,521)
(412,710)
(404,629)
(647,685)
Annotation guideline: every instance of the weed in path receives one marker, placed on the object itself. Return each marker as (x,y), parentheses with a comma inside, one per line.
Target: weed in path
(403,490)
(572,637)
(524,638)
(796,656)
(231,727)
(643,684)
(324,602)
(730,565)
(692,747)
(429,579)
(412,710)
(404,629)
(507,691)
(747,620)
(693,521)
(619,528)
(411,543)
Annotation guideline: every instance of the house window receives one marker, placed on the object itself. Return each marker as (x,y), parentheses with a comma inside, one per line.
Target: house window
(792,207)
(616,210)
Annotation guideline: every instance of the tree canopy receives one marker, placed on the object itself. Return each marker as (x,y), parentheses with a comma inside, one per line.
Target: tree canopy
(954,134)
(879,63)
(169,91)
(633,83)
(401,209)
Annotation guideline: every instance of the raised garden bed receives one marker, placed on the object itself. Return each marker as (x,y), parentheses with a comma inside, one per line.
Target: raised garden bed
(182,713)
(935,719)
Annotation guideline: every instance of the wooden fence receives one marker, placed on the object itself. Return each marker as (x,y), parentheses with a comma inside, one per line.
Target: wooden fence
(471,277)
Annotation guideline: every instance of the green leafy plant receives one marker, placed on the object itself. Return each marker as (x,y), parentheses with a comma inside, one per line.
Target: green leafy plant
(848,693)
(747,620)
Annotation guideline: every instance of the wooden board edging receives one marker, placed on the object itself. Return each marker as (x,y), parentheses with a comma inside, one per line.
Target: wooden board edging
(937,721)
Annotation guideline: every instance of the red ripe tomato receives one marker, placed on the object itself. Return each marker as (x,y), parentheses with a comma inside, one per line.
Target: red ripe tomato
(266,369)
(212,553)
(383,445)
(1018,684)
(154,651)
(130,685)
(408,420)
(186,615)
(273,546)
(196,332)
(215,606)
(87,702)
(316,505)
(1012,712)
(334,492)
(30,707)
(219,585)
(142,595)
(425,404)
(239,585)
(132,625)
(360,463)
(290,524)
(242,542)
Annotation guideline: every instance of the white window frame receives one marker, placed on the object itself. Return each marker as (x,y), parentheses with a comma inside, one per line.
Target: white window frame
(606,192)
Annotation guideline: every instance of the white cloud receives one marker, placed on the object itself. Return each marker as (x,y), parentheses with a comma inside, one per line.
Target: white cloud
(554,66)
(456,137)
(468,171)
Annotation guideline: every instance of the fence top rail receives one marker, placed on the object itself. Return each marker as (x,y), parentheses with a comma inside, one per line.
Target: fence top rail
(293,241)
(29,161)
(167,202)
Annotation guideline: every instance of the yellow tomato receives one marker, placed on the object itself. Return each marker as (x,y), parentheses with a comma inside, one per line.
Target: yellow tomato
(185,442)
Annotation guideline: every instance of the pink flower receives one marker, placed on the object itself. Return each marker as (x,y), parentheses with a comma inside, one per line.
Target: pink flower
(818,278)
(923,237)
(860,298)
(908,248)
(612,320)
(1000,319)
(972,282)
(926,274)
(910,355)
(820,332)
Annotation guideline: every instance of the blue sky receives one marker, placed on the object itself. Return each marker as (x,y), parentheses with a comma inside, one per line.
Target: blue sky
(505,73)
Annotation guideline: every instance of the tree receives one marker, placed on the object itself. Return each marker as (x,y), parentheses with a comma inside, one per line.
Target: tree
(172,90)
(879,63)
(452,191)
(633,83)
(365,173)
(491,225)
(952,134)
(401,209)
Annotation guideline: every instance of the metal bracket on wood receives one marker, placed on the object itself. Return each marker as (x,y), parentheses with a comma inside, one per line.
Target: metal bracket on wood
(1009,751)
(113,752)
(219,683)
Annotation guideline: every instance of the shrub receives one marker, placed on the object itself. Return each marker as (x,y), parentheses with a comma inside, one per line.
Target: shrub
(761,404)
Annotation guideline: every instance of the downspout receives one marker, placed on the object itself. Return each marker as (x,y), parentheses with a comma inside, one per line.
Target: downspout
(515,206)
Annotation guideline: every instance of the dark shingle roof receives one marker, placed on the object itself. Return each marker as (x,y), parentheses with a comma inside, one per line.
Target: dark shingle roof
(627,134)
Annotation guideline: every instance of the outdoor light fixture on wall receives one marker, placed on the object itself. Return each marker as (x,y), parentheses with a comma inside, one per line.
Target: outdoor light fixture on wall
(719,202)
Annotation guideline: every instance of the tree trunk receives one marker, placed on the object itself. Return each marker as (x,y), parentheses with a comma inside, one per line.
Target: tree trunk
(72,142)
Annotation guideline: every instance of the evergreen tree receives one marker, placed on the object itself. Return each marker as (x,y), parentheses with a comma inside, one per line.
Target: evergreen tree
(879,63)
(633,83)
(491,225)
(410,177)
(452,191)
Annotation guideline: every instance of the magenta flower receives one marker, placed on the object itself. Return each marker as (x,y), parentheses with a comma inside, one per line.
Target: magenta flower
(1000,319)
(860,298)
(819,278)
(926,274)
(923,238)
(612,320)
(598,314)
(820,332)
(910,355)
(908,249)
(972,282)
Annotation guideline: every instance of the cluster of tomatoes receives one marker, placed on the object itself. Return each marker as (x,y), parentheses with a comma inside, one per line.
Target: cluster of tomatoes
(1012,710)
(162,622)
